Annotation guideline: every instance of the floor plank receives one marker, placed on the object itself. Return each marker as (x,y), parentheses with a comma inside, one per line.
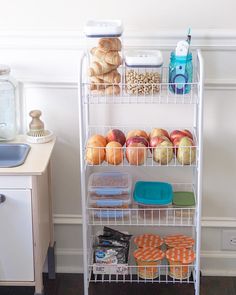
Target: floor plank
(72,284)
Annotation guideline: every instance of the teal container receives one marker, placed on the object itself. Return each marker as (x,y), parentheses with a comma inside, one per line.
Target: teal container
(180,73)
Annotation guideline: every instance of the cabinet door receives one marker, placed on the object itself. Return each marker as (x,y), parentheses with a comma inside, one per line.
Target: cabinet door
(16,238)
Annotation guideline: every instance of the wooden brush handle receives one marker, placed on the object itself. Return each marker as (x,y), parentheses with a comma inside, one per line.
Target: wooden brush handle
(36,123)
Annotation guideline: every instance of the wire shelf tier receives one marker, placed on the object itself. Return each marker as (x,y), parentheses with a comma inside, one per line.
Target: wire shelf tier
(129,273)
(138,156)
(127,93)
(142,217)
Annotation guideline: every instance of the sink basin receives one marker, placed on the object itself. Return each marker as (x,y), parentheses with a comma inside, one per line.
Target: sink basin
(13,154)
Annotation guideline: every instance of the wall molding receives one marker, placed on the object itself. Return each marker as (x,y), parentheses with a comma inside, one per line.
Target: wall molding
(218,222)
(208,40)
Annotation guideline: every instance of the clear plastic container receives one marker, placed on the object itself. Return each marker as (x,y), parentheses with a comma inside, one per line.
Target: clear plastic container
(104,46)
(185,201)
(109,190)
(8,114)
(143,72)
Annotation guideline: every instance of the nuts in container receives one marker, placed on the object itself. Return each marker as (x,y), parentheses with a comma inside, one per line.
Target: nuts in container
(143,72)
(104,46)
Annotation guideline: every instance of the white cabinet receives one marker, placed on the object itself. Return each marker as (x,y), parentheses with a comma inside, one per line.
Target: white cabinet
(16,242)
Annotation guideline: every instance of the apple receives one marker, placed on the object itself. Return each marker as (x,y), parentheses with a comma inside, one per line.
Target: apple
(137,132)
(162,150)
(186,153)
(137,139)
(97,138)
(95,153)
(180,133)
(136,153)
(116,135)
(158,132)
(114,153)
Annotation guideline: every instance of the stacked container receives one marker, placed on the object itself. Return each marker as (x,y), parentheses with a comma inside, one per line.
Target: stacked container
(109,194)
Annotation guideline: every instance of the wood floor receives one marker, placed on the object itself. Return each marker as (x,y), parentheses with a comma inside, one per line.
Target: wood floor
(72,284)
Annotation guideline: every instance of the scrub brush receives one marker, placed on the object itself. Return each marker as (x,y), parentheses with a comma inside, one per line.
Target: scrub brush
(36,133)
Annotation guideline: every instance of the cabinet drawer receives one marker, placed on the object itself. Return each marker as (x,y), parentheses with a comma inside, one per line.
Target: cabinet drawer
(16,243)
(15,182)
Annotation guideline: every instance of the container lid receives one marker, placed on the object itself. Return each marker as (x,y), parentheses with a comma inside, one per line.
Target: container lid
(183,199)
(149,254)
(153,193)
(148,240)
(103,28)
(183,255)
(106,214)
(179,241)
(141,58)
(109,183)
(110,202)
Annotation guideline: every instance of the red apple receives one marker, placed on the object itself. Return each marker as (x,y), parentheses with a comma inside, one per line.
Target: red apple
(154,141)
(158,132)
(116,135)
(179,134)
(137,132)
(137,139)
(136,153)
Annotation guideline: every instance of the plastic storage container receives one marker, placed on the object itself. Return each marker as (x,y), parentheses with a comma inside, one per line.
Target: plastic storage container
(109,192)
(180,73)
(185,201)
(151,196)
(143,72)
(8,113)
(147,260)
(104,56)
(180,261)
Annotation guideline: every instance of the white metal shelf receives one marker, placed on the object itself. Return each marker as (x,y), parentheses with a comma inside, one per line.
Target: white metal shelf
(149,160)
(132,277)
(163,96)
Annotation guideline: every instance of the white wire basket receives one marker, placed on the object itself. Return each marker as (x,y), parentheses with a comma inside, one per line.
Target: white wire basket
(139,156)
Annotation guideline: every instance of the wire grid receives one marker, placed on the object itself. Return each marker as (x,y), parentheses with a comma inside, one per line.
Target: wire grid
(131,273)
(157,93)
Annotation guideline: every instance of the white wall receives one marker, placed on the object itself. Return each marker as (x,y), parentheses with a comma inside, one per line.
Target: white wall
(46,61)
(149,15)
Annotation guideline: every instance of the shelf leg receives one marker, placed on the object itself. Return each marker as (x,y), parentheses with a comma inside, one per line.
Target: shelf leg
(51,263)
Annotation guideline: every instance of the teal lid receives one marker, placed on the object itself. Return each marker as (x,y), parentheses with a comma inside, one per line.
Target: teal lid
(183,199)
(153,193)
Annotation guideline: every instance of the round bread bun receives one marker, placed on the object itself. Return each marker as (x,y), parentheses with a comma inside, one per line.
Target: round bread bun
(95,153)
(114,153)
(98,139)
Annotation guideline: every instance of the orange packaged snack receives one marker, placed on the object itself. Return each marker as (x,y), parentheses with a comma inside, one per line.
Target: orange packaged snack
(181,241)
(147,260)
(148,240)
(180,260)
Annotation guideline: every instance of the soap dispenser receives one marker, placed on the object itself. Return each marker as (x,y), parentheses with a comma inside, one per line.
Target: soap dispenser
(8,105)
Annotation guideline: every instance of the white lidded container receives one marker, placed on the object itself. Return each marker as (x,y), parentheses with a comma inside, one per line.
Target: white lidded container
(143,72)
(104,48)
(8,105)
(109,193)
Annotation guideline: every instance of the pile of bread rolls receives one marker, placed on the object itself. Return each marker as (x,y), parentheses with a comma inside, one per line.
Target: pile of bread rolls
(103,72)
(161,145)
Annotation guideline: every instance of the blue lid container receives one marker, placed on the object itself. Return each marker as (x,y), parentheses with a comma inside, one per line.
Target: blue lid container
(153,193)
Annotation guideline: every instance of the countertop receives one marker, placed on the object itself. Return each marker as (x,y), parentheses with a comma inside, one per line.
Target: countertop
(36,161)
